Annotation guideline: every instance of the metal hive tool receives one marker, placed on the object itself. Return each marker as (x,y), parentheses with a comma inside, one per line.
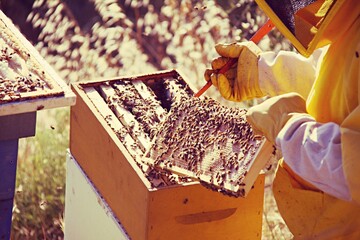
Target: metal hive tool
(212,143)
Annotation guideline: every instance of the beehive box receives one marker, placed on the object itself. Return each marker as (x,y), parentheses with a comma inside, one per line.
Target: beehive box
(27,82)
(109,133)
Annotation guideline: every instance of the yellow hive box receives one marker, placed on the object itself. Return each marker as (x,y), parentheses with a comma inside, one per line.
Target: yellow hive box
(181,211)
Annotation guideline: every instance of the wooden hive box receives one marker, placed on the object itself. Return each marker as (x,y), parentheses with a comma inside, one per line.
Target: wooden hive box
(27,82)
(151,208)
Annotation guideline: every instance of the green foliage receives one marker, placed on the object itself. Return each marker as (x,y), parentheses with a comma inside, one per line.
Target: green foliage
(40,191)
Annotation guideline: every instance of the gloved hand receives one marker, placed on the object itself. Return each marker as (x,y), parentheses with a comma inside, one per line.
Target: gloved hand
(241,81)
(269,117)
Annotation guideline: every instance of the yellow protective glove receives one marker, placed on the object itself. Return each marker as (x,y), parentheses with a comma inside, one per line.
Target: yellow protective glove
(240,82)
(269,117)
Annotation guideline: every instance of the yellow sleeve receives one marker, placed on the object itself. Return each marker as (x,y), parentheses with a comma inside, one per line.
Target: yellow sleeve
(335,97)
(350,131)
(288,72)
(351,160)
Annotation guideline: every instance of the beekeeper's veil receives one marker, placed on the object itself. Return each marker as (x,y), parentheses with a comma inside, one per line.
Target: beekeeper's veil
(308,24)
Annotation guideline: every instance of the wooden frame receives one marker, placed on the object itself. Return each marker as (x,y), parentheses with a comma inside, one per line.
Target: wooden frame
(58,94)
(184,211)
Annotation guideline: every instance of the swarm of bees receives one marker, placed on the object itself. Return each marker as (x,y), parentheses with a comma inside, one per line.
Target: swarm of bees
(18,73)
(209,141)
(127,98)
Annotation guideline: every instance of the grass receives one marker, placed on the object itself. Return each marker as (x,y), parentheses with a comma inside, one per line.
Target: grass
(40,182)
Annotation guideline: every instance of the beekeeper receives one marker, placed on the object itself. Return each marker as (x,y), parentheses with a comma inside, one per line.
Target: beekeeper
(312,115)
